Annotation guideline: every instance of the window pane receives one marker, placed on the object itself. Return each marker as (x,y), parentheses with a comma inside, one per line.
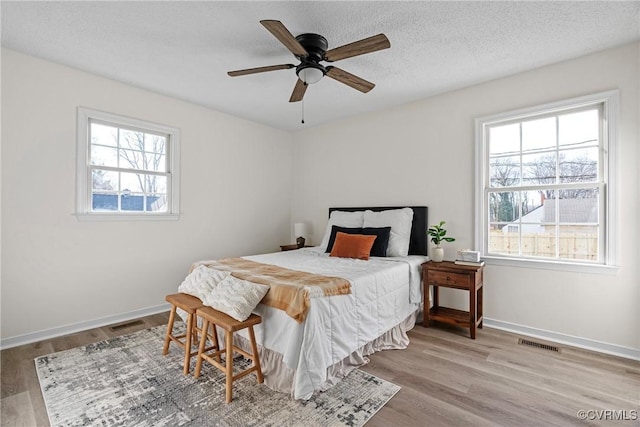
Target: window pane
(504,239)
(579,165)
(157,203)
(504,171)
(132,202)
(131,139)
(503,207)
(104,202)
(539,243)
(578,243)
(155,162)
(132,182)
(156,184)
(104,135)
(504,139)
(539,168)
(154,143)
(577,206)
(538,238)
(131,159)
(531,201)
(539,134)
(104,180)
(104,156)
(579,129)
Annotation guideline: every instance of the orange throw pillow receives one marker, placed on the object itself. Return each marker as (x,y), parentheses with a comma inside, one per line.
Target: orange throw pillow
(352,246)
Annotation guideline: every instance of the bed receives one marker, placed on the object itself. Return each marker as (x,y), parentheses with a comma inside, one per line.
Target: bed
(339,331)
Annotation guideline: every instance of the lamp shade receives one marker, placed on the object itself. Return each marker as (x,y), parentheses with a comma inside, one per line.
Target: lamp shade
(310,75)
(300,229)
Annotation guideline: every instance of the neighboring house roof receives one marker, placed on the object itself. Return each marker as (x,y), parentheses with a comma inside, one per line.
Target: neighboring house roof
(530,222)
(536,215)
(572,210)
(578,211)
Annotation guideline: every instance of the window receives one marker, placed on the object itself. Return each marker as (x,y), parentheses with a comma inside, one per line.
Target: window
(127,168)
(545,183)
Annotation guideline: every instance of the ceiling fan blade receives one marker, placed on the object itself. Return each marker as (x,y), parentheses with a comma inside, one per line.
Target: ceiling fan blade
(298,91)
(260,70)
(278,29)
(349,79)
(368,45)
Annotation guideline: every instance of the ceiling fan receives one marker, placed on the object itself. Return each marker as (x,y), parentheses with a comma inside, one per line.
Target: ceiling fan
(310,49)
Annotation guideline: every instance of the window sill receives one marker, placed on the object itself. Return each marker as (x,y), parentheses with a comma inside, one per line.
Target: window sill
(85,217)
(609,270)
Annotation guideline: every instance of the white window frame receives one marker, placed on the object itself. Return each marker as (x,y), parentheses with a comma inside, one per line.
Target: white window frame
(608,218)
(83,174)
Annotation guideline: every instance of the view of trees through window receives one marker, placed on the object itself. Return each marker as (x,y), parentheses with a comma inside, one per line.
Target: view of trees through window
(544,186)
(128,169)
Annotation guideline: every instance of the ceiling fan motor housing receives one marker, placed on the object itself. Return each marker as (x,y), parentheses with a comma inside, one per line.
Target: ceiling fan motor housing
(314,44)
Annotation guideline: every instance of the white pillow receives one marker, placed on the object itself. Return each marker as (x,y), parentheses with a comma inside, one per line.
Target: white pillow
(201,281)
(236,297)
(400,221)
(342,219)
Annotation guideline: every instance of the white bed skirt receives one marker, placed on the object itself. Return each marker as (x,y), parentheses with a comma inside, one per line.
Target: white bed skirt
(279,377)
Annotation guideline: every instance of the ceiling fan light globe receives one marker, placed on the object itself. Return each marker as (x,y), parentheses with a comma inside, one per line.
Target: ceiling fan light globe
(310,75)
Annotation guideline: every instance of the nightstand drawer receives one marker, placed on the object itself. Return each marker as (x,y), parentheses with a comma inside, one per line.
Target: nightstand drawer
(454,280)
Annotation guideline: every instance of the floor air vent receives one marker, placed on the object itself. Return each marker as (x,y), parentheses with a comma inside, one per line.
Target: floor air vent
(522,341)
(126,325)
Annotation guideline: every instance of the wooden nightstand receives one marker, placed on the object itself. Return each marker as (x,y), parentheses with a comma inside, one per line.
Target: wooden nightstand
(292,247)
(450,275)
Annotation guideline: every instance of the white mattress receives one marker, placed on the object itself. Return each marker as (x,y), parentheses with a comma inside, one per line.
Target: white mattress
(384,292)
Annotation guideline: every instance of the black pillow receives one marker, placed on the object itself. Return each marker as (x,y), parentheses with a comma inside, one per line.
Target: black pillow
(335,229)
(379,247)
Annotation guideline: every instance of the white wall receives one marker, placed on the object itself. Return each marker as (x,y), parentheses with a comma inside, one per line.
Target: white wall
(240,195)
(423,153)
(235,200)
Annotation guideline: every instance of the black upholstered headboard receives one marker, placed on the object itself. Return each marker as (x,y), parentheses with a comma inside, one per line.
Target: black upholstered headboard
(419,240)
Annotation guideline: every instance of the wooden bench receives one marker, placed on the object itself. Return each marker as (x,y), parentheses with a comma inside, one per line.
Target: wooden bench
(229,325)
(189,304)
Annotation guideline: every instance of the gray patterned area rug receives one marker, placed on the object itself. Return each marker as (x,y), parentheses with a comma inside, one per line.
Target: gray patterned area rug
(125,381)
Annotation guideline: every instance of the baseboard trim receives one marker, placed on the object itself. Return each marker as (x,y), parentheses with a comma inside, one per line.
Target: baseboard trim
(593,345)
(584,343)
(79,327)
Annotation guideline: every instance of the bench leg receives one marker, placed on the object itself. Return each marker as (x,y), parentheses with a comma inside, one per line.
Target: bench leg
(203,344)
(229,343)
(167,338)
(187,343)
(194,336)
(256,356)
(214,340)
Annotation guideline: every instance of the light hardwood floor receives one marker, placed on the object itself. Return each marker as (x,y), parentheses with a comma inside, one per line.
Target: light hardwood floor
(447,379)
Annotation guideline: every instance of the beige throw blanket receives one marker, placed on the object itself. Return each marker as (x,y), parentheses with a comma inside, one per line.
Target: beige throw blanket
(289,291)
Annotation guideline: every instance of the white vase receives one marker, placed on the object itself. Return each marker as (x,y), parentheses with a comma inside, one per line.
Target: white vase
(437,254)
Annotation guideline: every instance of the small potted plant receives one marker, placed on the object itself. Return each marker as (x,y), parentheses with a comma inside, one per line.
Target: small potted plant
(438,235)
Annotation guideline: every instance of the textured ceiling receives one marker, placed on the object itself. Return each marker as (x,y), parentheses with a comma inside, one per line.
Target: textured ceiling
(184,49)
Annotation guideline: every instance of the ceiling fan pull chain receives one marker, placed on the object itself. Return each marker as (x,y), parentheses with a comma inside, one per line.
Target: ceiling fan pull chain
(303,111)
